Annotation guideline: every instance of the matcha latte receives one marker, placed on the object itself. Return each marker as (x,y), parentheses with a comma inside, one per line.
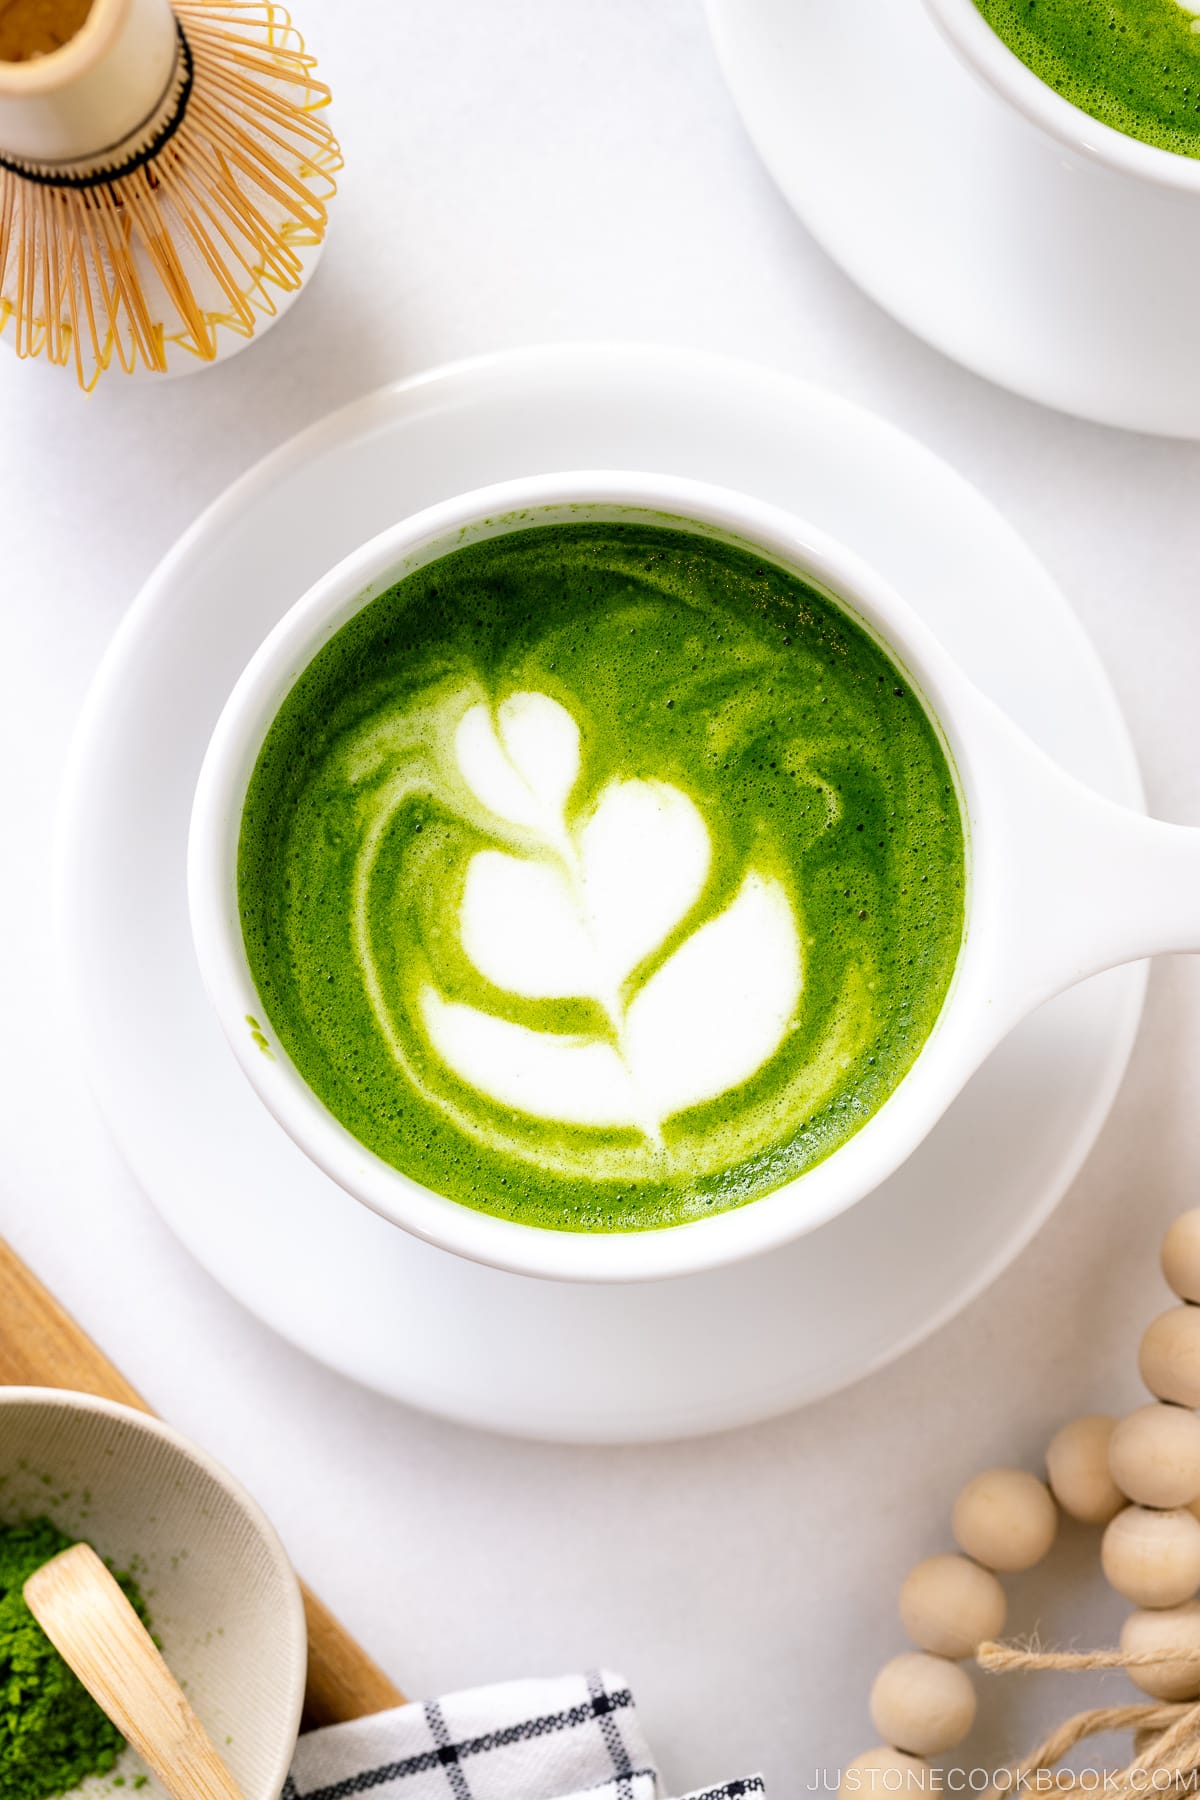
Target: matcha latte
(601,876)
(1132,64)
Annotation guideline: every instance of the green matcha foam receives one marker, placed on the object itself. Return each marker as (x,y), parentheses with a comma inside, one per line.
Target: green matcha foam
(1132,64)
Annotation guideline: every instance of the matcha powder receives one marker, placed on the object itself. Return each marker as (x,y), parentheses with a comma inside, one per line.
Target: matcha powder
(52,1733)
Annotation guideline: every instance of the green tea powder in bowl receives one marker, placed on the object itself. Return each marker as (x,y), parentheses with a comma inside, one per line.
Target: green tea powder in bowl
(52,1733)
(213,1583)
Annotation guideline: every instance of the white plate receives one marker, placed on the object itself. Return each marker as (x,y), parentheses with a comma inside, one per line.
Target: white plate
(1069,283)
(588,1364)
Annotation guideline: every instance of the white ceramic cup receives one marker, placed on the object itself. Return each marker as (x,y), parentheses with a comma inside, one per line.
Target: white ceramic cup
(1061,883)
(1002,70)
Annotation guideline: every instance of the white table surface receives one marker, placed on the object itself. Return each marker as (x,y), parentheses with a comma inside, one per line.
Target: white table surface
(552,169)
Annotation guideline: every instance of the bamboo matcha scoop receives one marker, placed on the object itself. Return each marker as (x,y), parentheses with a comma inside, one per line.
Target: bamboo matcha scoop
(99,1636)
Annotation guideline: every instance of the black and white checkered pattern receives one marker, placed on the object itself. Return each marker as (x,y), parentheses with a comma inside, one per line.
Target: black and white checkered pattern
(574,1738)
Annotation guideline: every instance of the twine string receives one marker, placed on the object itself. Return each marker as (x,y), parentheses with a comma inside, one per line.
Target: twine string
(1170,1758)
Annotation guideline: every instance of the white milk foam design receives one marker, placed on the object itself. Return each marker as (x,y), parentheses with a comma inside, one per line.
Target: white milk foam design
(581,915)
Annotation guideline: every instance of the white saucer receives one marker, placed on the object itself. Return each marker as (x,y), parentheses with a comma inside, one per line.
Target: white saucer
(1073,285)
(588,1364)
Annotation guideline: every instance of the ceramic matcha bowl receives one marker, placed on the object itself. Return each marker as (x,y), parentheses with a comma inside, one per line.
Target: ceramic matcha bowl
(1059,882)
(221,1595)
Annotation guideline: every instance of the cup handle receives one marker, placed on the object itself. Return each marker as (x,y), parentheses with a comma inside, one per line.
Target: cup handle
(1067,883)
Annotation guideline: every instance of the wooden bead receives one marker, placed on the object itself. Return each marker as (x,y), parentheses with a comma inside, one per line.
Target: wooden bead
(1169,1359)
(1154,1456)
(1077,1467)
(1152,1558)
(1172,1628)
(923,1704)
(1181,1255)
(883,1772)
(1005,1519)
(949,1606)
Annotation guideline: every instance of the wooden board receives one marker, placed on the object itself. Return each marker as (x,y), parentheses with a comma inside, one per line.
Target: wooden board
(42,1346)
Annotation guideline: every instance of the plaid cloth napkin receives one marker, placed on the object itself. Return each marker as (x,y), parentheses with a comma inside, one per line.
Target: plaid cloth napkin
(567,1739)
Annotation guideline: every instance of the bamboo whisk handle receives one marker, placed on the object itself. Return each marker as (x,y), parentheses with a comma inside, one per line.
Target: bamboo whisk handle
(94,93)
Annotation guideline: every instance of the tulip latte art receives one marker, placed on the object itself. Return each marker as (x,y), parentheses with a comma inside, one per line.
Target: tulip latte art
(601,876)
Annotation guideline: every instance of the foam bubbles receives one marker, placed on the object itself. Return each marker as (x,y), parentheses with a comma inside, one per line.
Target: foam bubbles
(1133,64)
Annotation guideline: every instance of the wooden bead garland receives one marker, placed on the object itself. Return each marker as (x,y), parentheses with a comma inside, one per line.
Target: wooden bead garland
(1171,1628)
(1152,1558)
(1078,1472)
(949,1605)
(923,1704)
(1154,1456)
(1005,1519)
(1138,1477)
(1169,1359)
(1181,1256)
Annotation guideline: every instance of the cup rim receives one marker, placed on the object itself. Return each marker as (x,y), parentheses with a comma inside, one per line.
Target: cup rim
(986,53)
(811,1199)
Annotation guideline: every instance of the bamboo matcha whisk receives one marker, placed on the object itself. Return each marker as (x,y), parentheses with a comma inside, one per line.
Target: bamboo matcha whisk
(164,173)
